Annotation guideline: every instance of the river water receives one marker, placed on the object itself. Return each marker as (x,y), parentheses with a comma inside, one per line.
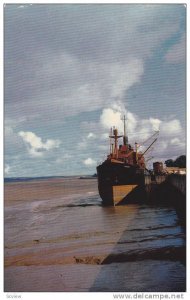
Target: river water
(59,237)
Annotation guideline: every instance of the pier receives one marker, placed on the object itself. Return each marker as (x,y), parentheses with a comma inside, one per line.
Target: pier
(170,190)
(178,181)
(167,189)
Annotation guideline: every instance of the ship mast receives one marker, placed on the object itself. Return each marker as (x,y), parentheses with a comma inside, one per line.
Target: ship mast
(115,136)
(125,137)
(111,147)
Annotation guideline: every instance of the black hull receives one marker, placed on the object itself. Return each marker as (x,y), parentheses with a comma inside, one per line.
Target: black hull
(118,182)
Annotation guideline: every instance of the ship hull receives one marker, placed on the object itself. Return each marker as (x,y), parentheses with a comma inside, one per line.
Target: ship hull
(119,183)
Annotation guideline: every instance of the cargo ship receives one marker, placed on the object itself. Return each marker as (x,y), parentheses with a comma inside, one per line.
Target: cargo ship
(123,174)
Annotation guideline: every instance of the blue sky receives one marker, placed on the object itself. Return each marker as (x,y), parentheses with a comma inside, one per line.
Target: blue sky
(72,71)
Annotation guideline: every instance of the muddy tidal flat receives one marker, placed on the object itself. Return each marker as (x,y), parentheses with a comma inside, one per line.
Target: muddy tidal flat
(59,237)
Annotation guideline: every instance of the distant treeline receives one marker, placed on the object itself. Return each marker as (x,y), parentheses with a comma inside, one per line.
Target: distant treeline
(18,179)
(180,162)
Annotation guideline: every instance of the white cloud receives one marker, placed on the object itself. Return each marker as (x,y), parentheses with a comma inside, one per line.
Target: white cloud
(171,128)
(91,135)
(175,141)
(178,144)
(89,162)
(124,76)
(170,140)
(113,116)
(86,141)
(109,117)
(155,123)
(96,84)
(35,152)
(115,46)
(145,128)
(35,145)
(131,121)
(7,169)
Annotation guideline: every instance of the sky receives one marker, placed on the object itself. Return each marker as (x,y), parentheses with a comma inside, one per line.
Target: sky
(71,71)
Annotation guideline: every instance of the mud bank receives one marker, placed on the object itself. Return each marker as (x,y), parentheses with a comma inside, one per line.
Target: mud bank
(58,237)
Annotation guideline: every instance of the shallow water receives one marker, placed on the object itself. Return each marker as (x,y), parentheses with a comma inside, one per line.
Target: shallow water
(58,237)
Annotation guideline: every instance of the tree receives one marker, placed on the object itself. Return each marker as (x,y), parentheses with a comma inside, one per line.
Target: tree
(169,163)
(180,162)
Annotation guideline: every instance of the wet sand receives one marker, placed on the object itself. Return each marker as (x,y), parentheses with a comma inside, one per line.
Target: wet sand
(58,237)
